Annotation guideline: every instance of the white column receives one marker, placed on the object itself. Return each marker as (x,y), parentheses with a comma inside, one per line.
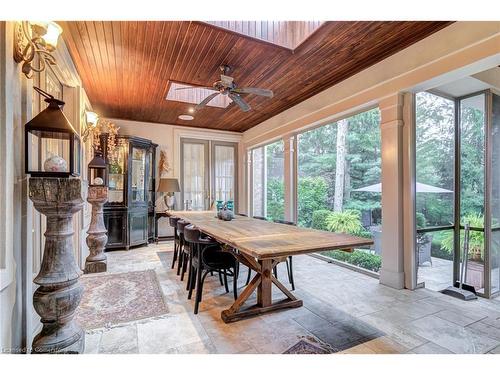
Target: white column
(290,179)
(391,124)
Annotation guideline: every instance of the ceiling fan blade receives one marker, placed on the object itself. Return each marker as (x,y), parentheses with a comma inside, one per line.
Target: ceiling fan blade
(254,90)
(239,101)
(205,101)
(196,87)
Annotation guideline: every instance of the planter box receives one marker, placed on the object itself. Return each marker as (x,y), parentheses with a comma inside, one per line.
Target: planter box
(475,274)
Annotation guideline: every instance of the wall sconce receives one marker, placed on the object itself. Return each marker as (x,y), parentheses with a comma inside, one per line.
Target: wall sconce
(91,118)
(33,39)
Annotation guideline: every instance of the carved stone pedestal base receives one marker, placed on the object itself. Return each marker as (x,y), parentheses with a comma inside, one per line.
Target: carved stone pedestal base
(59,291)
(97,238)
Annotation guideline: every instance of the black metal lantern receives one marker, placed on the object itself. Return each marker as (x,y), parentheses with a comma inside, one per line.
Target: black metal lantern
(97,170)
(52,146)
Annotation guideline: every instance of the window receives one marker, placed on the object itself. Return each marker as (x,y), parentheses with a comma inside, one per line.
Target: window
(268,196)
(339,175)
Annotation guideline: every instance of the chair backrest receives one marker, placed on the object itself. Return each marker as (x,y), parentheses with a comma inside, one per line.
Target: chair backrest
(259,217)
(191,233)
(181,224)
(284,222)
(172,220)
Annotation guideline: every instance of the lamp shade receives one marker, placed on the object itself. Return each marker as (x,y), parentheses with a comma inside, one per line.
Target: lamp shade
(169,185)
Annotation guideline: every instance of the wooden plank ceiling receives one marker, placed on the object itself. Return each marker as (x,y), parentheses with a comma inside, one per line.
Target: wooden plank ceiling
(126,66)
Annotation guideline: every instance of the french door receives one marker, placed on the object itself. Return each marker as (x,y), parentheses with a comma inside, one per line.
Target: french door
(209,172)
(470,171)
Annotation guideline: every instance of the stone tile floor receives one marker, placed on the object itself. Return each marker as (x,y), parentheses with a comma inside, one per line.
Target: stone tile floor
(343,310)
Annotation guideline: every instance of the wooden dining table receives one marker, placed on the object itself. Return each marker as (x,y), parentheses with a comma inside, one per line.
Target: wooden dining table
(261,245)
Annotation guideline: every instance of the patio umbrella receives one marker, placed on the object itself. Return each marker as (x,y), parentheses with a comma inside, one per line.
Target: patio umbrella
(421,188)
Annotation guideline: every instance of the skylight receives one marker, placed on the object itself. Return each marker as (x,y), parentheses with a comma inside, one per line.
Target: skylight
(194,95)
(289,34)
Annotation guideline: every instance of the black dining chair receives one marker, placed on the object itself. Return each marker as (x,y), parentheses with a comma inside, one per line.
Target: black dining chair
(289,261)
(260,218)
(183,249)
(172,220)
(208,257)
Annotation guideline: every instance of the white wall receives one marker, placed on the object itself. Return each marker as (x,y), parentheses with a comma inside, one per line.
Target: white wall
(168,139)
(18,321)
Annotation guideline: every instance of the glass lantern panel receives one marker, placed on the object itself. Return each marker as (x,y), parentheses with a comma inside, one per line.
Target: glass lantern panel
(77,156)
(48,151)
(96,176)
(138,174)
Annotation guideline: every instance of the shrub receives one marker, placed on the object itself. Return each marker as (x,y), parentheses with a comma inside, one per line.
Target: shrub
(439,252)
(312,196)
(319,219)
(362,259)
(347,221)
(275,199)
(420,220)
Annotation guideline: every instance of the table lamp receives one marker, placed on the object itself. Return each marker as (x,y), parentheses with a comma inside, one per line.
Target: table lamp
(169,186)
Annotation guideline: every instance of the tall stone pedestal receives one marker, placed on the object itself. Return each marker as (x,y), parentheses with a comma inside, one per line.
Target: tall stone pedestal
(97,238)
(59,291)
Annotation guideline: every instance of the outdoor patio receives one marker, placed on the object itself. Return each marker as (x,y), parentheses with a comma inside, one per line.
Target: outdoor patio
(436,276)
(344,312)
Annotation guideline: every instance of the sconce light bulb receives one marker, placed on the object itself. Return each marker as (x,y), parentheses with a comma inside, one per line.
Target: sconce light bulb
(92,118)
(52,35)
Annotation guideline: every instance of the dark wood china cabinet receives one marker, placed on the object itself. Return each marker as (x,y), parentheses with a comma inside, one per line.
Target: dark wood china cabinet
(129,212)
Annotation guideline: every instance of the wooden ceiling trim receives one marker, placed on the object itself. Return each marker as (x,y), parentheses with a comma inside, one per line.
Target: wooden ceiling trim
(168,49)
(126,66)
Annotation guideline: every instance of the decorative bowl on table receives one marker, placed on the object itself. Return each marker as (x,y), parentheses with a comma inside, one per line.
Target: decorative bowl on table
(225,214)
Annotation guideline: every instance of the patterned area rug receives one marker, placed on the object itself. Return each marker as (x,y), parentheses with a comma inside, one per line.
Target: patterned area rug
(109,299)
(305,347)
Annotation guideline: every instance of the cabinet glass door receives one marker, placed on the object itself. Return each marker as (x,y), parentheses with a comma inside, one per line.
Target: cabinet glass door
(138,174)
(116,175)
(151,184)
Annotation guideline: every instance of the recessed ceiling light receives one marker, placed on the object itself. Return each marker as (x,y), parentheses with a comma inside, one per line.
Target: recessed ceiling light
(186,117)
(191,110)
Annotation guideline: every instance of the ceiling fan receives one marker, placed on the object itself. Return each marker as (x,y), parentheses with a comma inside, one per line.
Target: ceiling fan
(226,86)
